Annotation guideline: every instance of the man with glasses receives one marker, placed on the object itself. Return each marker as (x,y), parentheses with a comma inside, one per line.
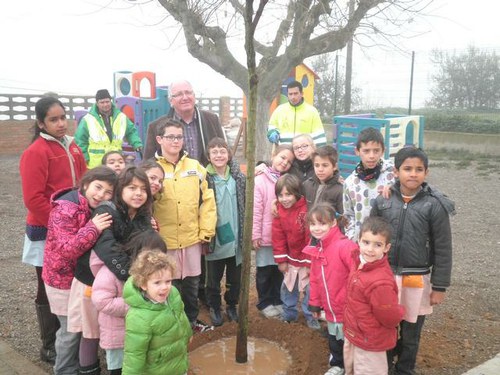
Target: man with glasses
(200,126)
(294,118)
(104,129)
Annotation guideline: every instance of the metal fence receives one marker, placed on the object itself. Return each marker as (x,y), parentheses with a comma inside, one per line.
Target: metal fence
(22,106)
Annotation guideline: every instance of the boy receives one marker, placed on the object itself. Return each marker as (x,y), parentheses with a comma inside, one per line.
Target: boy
(185,213)
(227,181)
(421,248)
(367,181)
(372,312)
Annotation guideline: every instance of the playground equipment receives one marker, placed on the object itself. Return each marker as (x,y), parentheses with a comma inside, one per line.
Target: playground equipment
(398,131)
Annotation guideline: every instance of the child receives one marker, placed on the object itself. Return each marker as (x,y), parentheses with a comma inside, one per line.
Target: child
(290,234)
(325,185)
(331,262)
(228,183)
(367,181)
(157,329)
(268,278)
(303,146)
(107,292)
(52,162)
(114,160)
(155,174)
(185,213)
(420,254)
(131,212)
(70,234)
(372,312)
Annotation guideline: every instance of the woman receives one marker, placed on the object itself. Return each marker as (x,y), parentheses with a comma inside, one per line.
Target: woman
(51,162)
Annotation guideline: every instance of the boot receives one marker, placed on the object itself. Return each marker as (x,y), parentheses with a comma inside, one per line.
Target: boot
(94,369)
(49,324)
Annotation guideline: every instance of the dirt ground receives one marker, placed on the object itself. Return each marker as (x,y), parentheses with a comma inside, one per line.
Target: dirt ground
(461,333)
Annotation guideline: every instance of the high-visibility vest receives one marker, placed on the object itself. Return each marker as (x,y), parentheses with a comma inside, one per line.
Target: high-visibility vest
(99,142)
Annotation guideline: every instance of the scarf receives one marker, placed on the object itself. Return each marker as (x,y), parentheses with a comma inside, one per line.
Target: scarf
(369,174)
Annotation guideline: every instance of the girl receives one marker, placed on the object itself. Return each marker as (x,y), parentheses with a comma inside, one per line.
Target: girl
(107,292)
(130,211)
(157,329)
(303,147)
(289,236)
(155,174)
(325,185)
(114,160)
(268,277)
(331,262)
(52,162)
(70,234)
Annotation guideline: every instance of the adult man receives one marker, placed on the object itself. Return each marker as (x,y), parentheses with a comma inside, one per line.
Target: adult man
(199,126)
(103,129)
(294,118)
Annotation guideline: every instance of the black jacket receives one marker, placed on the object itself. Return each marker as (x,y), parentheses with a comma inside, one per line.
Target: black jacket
(421,238)
(331,193)
(109,246)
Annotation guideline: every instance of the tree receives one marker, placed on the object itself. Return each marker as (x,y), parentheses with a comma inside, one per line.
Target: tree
(329,90)
(469,80)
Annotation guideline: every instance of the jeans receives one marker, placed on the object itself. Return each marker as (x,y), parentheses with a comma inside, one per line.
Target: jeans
(290,301)
(67,348)
(215,271)
(268,280)
(407,346)
(188,287)
(336,351)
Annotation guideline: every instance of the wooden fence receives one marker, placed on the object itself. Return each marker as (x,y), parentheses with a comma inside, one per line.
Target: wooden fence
(22,106)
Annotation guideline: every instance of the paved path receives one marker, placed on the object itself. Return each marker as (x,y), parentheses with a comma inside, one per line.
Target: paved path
(12,363)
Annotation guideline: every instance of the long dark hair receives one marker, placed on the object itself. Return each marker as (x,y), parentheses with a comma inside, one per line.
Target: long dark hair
(41,109)
(124,179)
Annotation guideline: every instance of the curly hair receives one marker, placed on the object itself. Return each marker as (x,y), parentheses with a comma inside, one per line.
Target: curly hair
(147,263)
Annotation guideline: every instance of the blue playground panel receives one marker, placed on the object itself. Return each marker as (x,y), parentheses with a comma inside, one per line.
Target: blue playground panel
(398,131)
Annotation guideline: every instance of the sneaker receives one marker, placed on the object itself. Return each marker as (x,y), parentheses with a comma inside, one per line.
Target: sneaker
(335,370)
(270,312)
(279,308)
(314,324)
(216,317)
(199,327)
(232,313)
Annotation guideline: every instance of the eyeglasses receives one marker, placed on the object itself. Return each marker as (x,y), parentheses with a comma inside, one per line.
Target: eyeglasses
(218,152)
(301,147)
(180,94)
(172,138)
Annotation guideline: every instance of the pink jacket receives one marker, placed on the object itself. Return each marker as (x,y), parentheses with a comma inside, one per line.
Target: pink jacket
(107,296)
(70,234)
(331,263)
(263,198)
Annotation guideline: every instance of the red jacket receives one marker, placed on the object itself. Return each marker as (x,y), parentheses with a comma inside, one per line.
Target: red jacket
(372,311)
(46,166)
(70,234)
(291,234)
(331,263)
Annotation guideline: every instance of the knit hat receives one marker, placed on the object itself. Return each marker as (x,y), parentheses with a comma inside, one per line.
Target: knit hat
(102,94)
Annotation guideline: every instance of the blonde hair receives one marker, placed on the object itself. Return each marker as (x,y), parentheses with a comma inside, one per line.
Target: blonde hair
(307,137)
(147,263)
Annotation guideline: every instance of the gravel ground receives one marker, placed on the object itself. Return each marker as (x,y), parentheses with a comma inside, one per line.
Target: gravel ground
(462,333)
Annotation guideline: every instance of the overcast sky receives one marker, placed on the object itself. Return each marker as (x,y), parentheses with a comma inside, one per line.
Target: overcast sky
(74,46)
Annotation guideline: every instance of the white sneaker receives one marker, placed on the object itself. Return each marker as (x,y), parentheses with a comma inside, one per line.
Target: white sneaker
(270,312)
(335,370)
(279,308)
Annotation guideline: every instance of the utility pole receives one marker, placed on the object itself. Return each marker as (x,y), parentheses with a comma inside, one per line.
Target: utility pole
(336,84)
(348,68)
(411,81)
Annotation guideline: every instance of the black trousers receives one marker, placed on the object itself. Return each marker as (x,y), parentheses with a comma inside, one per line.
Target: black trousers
(268,280)
(406,347)
(215,272)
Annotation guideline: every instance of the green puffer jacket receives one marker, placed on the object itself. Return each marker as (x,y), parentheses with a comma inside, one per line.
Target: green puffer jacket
(156,335)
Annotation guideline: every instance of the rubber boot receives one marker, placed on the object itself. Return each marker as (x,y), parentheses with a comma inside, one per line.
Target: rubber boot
(94,369)
(49,324)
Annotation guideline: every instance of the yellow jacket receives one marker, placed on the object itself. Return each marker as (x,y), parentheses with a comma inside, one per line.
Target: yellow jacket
(185,211)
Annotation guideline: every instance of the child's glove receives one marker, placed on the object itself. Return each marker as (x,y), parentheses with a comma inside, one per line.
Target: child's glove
(273,136)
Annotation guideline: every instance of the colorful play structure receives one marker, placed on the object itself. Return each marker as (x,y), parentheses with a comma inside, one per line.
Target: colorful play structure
(398,131)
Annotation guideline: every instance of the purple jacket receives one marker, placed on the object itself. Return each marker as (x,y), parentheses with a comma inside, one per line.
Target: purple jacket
(70,234)
(107,296)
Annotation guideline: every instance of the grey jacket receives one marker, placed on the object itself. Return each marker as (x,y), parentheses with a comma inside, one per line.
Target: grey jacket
(421,239)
